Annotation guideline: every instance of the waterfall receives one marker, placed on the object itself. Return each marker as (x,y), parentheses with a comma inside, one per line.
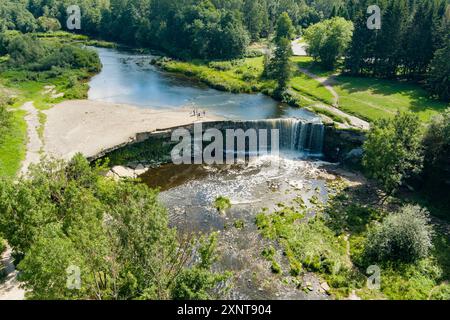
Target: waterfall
(295,134)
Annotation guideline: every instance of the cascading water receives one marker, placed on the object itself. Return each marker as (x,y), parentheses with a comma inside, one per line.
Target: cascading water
(294,134)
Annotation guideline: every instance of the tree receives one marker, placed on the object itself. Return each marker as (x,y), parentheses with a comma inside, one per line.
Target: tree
(393,151)
(48,24)
(328,40)
(438,79)
(418,39)
(280,66)
(436,143)
(405,236)
(256,18)
(5,120)
(285,29)
(67,217)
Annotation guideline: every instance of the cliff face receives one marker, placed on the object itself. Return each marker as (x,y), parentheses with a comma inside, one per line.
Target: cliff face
(343,145)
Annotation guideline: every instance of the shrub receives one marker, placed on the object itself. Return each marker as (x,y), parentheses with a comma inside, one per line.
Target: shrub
(222,204)
(5,120)
(405,236)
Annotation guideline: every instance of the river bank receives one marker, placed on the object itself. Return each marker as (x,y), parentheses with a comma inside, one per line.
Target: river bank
(91,127)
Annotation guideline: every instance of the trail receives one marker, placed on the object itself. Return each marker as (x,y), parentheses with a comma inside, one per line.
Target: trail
(34,144)
(10,287)
(327,82)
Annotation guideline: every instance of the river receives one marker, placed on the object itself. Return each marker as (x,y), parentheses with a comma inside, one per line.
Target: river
(131,79)
(188,191)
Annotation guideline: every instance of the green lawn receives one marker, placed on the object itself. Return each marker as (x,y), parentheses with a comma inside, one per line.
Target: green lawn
(373,99)
(12,150)
(311,88)
(70,82)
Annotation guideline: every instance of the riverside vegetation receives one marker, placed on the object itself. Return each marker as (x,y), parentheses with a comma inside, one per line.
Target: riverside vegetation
(69,214)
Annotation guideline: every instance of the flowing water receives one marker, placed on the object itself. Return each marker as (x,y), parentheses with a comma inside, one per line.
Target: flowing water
(131,79)
(189,191)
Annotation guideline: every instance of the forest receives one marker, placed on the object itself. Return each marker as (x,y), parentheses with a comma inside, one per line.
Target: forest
(394,79)
(412,43)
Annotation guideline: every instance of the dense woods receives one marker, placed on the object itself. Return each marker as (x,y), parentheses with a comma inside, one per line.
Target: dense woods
(412,42)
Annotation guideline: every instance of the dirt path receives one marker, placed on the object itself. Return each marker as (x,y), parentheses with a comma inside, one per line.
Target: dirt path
(34,144)
(299,48)
(327,82)
(10,287)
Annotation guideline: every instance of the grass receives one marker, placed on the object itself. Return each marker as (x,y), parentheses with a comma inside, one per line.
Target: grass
(2,249)
(31,86)
(238,76)
(12,150)
(368,98)
(373,99)
(335,117)
(311,88)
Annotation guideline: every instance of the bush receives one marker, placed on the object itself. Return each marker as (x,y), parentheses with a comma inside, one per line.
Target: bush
(5,121)
(222,204)
(405,236)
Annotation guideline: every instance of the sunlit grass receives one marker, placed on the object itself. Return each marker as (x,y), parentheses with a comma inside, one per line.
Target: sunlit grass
(13,148)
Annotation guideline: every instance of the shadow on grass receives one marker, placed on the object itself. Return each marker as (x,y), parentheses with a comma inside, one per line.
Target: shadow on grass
(418,98)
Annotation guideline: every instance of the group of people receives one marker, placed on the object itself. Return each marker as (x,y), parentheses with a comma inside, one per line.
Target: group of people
(197,113)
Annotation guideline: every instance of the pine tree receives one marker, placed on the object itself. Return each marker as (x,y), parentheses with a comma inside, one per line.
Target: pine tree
(280,65)
(419,39)
(388,48)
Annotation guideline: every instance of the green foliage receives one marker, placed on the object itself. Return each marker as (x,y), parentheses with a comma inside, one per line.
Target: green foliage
(47,24)
(393,151)
(284,29)
(256,18)
(310,244)
(12,143)
(279,67)
(328,40)
(239,224)
(437,154)
(5,121)
(410,34)
(405,236)
(117,233)
(198,282)
(222,203)
(2,246)
(438,80)
(15,16)
(27,52)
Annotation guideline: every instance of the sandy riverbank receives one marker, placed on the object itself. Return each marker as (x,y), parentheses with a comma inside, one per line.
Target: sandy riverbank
(92,126)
